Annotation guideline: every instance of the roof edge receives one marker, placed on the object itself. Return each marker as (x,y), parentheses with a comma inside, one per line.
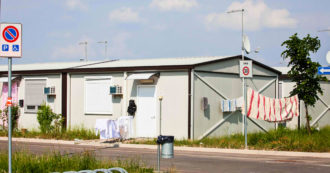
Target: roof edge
(239,57)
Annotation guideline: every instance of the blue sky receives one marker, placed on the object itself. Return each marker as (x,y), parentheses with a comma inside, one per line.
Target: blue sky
(134,29)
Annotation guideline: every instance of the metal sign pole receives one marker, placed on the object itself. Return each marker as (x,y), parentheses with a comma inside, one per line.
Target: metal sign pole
(9,114)
(244,87)
(160,132)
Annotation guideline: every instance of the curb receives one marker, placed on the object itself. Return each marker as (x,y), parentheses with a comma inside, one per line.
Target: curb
(154,147)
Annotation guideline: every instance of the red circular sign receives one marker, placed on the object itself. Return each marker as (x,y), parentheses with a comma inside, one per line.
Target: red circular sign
(246,70)
(10,34)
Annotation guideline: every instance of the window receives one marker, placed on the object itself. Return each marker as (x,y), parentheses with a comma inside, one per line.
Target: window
(34,94)
(97,95)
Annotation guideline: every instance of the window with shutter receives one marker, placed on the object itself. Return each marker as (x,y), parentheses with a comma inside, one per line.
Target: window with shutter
(97,95)
(34,94)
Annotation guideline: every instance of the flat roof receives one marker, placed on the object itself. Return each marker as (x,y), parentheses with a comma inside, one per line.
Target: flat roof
(122,64)
(45,66)
(154,62)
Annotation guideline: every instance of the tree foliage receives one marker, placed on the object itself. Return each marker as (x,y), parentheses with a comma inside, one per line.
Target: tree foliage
(303,70)
(45,117)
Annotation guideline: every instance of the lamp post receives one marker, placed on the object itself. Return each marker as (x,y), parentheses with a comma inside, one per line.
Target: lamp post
(105,48)
(244,83)
(84,43)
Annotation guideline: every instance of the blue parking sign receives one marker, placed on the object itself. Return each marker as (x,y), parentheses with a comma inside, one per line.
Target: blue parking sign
(15,47)
(5,47)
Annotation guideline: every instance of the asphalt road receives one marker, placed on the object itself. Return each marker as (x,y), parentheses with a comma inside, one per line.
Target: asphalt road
(192,162)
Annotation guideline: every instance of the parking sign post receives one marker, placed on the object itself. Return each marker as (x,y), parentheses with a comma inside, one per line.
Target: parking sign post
(10,47)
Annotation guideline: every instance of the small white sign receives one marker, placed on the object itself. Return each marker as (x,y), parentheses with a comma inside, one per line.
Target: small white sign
(11,40)
(245,69)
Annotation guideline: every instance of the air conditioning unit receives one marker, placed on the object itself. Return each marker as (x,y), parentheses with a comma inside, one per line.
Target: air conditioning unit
(49,90)
(116,90)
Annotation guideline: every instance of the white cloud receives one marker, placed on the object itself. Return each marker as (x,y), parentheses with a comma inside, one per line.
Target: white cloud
(159,27)
(257,15)
(74,51)
(177,5)
(76,4)
(68,52)
(59,34)
(118,46)
(125,15)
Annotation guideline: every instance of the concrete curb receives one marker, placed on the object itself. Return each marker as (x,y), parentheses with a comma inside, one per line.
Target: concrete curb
(153,147)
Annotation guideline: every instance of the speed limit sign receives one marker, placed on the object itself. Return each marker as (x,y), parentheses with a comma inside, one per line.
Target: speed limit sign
(245,69)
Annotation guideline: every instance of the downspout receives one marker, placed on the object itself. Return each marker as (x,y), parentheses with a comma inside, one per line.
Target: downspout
(64,99)
(276,95)
(191,104)
(124,108)
(69,101)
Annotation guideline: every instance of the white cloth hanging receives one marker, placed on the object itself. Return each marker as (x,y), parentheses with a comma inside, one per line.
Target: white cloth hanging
(113,129)
(228,105)
(125,124)
(101,127)
(271,109)
(107,128)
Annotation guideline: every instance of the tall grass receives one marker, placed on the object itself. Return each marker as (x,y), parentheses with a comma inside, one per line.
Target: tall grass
(55,162)
(70,134)
(282,139)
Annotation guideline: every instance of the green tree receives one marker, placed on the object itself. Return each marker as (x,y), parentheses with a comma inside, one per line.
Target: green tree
(303,70)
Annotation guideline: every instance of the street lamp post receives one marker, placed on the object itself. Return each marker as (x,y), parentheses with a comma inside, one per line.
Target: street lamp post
(84,43)
(244,130)
(105,48)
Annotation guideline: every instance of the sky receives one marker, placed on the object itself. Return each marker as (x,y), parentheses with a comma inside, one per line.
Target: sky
(135,29)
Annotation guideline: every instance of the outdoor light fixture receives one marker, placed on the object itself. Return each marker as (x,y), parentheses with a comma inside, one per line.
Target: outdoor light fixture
(84,43)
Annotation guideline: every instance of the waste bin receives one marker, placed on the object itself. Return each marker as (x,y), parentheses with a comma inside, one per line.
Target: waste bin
(167,146)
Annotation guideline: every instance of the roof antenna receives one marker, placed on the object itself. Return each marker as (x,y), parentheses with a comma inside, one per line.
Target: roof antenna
(105,48)
(84,43)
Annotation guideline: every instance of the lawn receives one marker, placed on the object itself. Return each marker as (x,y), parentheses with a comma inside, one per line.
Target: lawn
(70,134)
(282,139)
(56,162)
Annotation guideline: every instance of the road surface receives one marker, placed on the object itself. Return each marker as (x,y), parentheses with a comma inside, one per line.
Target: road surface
(191,161)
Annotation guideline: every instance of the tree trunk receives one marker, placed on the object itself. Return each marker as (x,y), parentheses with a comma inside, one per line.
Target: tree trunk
(308,127)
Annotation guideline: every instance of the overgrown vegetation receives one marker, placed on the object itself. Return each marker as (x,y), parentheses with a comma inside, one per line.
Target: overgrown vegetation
(69,134)
(282,139)
(15,114)
(57,162)
(45,117)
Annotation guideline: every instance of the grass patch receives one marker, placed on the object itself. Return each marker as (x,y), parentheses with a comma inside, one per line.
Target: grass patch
(282,139)
(70,134)
(56,162)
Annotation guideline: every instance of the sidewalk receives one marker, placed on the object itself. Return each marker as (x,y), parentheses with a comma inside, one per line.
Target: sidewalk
(102,143)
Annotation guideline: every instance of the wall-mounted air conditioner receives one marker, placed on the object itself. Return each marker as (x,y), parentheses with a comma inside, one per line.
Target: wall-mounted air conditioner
(116,90)
(49,90)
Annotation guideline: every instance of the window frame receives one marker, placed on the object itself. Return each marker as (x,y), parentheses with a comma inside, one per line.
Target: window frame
(109,83)
(25,107)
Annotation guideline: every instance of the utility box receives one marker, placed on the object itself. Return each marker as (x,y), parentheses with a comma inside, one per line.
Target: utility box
(167,146)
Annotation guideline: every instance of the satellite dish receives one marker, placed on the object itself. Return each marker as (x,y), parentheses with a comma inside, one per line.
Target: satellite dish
(246,44)
(328,57)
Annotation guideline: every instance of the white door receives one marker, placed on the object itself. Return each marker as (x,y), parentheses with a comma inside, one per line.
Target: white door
(146,112)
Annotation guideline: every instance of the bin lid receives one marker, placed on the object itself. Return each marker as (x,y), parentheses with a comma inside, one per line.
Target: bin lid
(165,139)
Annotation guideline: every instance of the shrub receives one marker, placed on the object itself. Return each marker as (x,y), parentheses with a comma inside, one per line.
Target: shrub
(45,117)
(15,113)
